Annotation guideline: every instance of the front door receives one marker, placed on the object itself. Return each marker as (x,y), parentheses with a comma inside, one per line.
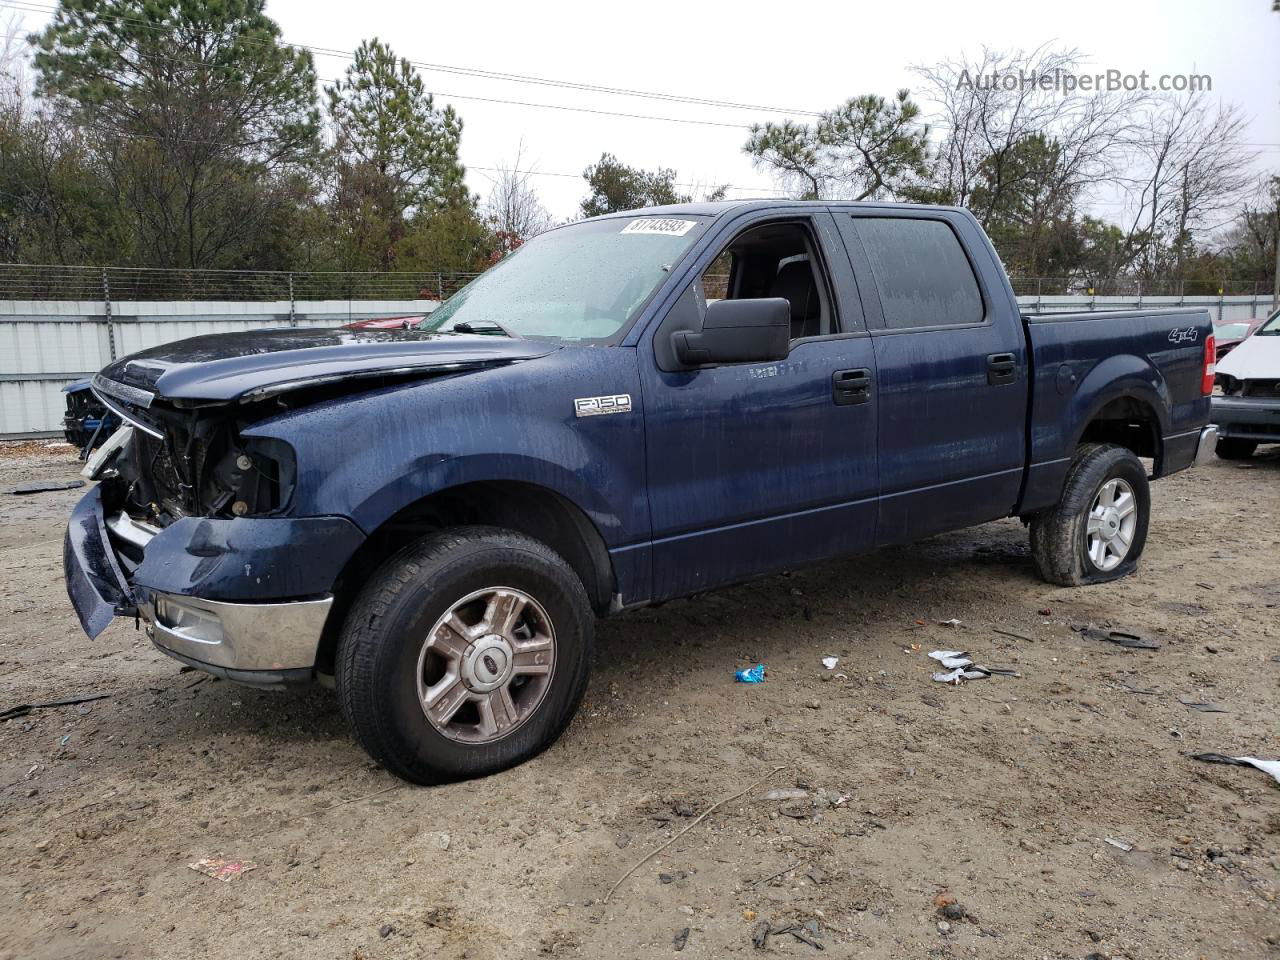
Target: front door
(754,468)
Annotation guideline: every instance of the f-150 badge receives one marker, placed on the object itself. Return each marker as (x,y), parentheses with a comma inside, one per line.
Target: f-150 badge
(597,406)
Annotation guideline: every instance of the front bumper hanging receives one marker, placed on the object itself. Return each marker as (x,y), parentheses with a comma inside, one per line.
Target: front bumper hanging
(237,633)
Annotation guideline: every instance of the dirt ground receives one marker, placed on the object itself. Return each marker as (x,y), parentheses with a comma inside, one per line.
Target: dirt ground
(999,793)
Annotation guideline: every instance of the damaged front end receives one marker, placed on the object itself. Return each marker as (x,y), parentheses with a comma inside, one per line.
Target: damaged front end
(187,458)
(186,532)
(191,528)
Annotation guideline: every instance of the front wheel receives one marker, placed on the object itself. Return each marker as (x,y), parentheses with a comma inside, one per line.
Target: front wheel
(465,653)
(1097,531)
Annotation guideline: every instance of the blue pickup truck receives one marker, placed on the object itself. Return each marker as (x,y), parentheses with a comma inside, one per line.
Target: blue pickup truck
(630,409)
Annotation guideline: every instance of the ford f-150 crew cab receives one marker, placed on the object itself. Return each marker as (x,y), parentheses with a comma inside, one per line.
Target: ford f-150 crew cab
(629,409)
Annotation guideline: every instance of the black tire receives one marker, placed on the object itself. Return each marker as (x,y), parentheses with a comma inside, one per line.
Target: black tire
(1059,540)
(382,638)
(1233,448)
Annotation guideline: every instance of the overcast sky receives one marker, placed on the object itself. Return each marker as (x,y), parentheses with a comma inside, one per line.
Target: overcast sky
(789,55)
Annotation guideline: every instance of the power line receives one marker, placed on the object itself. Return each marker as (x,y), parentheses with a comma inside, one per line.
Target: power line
(33,7)
(483,73)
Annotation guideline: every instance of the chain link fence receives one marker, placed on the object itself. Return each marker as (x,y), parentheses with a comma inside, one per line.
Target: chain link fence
(141,284)
(51,282)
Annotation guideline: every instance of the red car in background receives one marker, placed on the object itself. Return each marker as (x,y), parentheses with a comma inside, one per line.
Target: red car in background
(386,323)
(1229,333)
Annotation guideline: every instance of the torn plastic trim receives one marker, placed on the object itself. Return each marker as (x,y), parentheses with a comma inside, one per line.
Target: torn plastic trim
(122,391)
(122,411)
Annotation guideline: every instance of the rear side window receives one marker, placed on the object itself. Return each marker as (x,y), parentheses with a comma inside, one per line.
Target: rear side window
(921,272)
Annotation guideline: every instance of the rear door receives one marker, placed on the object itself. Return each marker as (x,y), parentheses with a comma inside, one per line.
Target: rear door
(754,468)
(950,361)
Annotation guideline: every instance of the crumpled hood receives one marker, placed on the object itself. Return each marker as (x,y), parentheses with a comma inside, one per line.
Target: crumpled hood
(1256,358)
(231,366)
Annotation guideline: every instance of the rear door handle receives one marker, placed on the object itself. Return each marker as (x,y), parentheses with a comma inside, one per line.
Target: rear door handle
(851,386)
(1001,368)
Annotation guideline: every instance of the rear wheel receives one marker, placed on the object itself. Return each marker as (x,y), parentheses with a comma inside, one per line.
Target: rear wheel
(1097,531)
(466,653)
(1233,448)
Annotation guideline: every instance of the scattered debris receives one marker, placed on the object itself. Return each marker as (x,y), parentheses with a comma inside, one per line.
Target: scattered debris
(808,932)
(760,935)
(1007,633)
(719,803)
(958,674)
(22,709)
(680,939)
(1269,767)
(44,486)
(961,667)
(1118,844)
(1203,707)
(1121,638)
(1151,692)
(786,793)
(953,911)
(830,662)
(222,869)
(753,675)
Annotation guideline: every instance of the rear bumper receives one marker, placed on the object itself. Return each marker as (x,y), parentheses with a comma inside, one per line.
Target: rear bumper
(1205,447)
(1248,418)
(208,590)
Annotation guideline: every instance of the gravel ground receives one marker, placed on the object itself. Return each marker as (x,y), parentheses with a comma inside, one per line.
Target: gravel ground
(927,820)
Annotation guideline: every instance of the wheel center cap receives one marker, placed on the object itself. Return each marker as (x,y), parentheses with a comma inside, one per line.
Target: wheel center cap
(487,664)
(1111,523)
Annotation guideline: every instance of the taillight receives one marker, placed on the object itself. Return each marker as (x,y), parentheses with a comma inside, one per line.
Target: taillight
(1210,366)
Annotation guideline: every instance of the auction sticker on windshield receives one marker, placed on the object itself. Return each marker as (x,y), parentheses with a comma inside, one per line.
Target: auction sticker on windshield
(660,225)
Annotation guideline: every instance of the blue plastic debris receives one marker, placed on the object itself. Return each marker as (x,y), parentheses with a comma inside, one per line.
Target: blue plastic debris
(753,675)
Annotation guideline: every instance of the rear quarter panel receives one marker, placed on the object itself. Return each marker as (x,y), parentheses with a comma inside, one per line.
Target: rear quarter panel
(1083,361)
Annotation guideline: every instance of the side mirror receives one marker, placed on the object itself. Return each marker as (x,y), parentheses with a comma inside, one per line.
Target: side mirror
(737,331)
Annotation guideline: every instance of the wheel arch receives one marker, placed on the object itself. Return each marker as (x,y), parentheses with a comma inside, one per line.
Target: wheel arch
(534,510)
(1124,400)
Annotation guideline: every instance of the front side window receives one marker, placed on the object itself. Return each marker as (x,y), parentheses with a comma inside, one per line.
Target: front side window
(773,260)
(921,272)
(585,281)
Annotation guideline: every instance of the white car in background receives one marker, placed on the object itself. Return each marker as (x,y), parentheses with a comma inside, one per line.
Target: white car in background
(1247,411)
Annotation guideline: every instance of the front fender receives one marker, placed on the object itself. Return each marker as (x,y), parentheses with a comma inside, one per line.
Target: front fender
(417,479)
(369,456)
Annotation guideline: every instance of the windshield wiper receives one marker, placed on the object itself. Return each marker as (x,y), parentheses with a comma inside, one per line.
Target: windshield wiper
(470,326)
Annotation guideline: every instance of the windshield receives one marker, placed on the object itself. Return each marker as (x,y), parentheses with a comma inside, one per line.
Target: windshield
(581,282)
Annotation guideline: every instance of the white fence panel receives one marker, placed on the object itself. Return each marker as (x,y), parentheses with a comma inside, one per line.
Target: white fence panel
(45,344)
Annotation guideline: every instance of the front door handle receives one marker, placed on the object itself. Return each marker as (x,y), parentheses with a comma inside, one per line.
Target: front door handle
(851,386)
(1001,368)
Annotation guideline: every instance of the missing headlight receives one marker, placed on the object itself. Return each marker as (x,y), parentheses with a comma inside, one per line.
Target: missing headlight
(253,479)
